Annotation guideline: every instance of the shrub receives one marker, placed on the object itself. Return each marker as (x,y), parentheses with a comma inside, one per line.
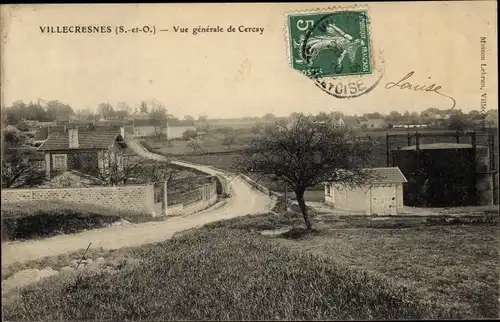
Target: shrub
(189,134)
(43,218)
(43,224)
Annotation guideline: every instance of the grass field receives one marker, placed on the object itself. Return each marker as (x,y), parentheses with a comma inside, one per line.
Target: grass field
(350,268)
(221,274)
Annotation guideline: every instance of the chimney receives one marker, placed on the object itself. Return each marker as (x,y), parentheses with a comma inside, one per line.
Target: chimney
(73,138)
(122,131)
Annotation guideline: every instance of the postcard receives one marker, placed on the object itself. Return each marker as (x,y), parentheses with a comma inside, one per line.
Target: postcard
(250,161)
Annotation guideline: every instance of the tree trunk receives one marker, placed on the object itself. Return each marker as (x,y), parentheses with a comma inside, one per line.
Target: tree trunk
(300,199)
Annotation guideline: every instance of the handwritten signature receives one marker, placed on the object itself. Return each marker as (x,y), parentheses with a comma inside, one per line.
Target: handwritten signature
(403,84)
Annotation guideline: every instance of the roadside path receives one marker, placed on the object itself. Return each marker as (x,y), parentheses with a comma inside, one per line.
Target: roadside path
(244,201)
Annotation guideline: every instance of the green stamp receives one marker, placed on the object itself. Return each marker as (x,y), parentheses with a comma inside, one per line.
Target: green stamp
(330,44)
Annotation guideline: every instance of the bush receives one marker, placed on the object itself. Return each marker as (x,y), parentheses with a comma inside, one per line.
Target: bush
(45,218)
(42,224)
(222,275)
(189,134)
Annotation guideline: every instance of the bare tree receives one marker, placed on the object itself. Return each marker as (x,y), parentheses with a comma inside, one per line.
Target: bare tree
(109,167)
(106,110)
(307,153)
(158,116)
(160,172)
(229,139)
(114,168)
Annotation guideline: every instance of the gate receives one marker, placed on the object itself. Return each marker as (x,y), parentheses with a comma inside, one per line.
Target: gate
(160,198)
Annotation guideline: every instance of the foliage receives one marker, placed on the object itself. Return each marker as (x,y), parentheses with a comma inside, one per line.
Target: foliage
(158,116)
(199,277)
(256,129)
(58,221)
(105,110)
(189,134)
(223,130)
(306,153)
(268,116)
(19,111)
(44,218)
(229,139)
(17,169)
(144,107)
(30,208)
(458,122)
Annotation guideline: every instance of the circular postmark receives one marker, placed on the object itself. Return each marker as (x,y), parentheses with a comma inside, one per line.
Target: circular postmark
(338,54)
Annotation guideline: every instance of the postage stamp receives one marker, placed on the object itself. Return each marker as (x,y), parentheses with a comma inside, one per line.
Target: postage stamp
(330,44)
(335,49)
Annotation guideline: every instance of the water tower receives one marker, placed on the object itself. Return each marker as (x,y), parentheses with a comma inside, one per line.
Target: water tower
(445,169)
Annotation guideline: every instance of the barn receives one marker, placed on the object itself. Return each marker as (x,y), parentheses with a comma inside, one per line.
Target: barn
(382,196)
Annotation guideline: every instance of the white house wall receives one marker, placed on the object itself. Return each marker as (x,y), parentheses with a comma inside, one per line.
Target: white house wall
(383,200)
(175,132)
(329,195)
(399,197)
(380,200)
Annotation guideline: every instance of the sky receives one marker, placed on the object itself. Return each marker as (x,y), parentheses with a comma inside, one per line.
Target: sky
(240,74)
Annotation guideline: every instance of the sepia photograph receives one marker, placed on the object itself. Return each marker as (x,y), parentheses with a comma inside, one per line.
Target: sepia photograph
(250,161)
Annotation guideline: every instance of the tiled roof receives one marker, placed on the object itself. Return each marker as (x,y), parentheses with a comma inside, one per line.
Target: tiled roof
(142,122)
(112,122)
(86,140)
(174,122)
(387,175)
(372,116)
(42,134)
(350,120)
(11,128)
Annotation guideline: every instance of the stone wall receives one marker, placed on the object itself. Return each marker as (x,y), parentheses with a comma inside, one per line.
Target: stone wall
(130,198)
(209,193)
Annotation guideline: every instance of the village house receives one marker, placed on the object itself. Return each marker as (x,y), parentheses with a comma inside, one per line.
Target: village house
(351,121)
(372,121)
(83,150)
(408,124)
(382,196)
(477,120)
(173,129)
(492,118)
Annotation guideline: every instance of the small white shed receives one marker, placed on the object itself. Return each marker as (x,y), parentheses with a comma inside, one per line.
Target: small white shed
(382,196)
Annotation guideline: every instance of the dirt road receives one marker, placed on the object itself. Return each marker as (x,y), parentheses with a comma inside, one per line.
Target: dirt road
(244,200)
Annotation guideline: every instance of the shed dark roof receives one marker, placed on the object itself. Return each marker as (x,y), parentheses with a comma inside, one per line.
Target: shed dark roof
(86,140)
(388,175)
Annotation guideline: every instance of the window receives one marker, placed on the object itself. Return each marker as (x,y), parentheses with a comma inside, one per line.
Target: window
(59,162)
